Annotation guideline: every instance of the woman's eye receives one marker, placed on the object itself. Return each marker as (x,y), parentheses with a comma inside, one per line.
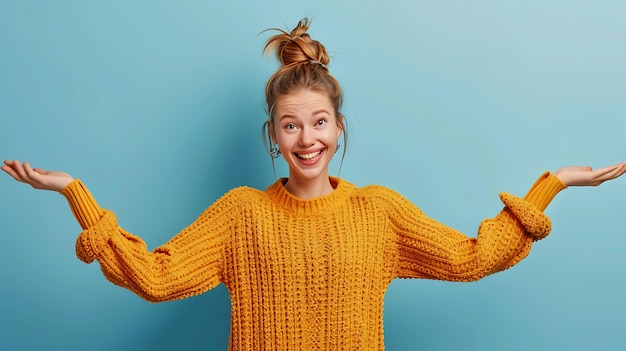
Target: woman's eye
(321,122)
(290,126)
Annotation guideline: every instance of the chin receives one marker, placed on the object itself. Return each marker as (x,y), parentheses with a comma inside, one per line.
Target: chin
(309,174)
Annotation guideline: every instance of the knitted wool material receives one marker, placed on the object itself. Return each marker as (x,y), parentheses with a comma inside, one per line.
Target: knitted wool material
(308,274)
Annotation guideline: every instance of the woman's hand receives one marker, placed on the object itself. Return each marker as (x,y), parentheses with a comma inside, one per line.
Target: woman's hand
(585,176)
(35,177)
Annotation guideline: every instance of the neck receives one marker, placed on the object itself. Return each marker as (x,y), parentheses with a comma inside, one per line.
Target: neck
(310,188)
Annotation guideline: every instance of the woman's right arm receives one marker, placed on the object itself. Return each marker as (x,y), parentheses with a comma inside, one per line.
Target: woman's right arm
(189,264)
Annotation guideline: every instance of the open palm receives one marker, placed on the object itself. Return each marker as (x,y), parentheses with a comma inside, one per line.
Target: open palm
(586,176)
(36,177)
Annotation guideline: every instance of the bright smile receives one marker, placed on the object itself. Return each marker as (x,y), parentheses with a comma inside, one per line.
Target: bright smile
(310,157)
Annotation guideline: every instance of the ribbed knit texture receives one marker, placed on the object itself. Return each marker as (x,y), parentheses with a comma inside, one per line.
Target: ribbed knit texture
(308,274)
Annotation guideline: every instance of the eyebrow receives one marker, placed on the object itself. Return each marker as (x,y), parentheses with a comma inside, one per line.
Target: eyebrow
(315,113)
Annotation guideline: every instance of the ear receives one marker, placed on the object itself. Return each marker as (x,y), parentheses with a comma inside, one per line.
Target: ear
(271,131)
(340,121)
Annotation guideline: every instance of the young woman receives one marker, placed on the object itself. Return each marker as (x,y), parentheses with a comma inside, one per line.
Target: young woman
(308,260)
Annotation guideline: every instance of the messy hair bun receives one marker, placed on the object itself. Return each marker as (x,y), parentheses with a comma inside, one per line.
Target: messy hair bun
(297,46)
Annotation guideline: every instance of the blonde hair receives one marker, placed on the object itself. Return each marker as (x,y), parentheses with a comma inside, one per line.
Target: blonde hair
(304,66)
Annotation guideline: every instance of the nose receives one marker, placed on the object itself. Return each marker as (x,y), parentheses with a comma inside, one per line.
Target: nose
(307,137)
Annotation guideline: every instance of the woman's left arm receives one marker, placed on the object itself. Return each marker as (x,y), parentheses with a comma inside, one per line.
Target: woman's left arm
(429,249)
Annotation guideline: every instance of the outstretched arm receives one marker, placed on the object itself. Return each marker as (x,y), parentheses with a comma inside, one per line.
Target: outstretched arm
(429,249)
(188,264)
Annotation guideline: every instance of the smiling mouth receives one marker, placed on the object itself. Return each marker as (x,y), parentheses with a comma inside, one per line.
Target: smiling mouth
(310,155)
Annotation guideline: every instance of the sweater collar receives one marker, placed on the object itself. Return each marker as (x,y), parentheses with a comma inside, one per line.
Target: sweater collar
(322,204)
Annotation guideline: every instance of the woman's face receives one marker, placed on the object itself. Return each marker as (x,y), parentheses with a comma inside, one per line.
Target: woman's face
(306,129)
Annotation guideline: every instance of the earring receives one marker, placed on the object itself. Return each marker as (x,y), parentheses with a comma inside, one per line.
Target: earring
(274,152)
(338,147)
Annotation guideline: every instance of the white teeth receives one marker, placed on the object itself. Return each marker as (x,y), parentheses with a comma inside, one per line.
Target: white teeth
(309,155)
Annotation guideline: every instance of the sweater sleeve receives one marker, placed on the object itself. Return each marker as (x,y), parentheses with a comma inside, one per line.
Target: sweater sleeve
(188,264)
(84,207)
(429,249)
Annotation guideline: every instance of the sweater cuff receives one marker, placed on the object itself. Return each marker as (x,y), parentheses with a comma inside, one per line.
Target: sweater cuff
(84,207)
(544,190)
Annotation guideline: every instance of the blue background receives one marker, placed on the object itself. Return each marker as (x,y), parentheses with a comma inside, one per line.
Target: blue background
(157,106)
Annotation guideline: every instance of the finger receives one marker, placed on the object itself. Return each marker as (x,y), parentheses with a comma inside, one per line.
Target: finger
(34,179)
(11,171)
(6,169)
(27,174)
(29,171)
(621,170)
(620,167)
(19,170)
(612,174)
(601,172)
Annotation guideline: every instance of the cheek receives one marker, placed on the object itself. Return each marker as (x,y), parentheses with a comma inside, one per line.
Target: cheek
(334,134)
(284,140)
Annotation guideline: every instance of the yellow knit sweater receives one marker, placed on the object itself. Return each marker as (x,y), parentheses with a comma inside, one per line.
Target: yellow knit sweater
(308,274)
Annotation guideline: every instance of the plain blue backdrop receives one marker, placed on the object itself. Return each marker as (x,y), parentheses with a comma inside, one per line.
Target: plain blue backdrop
(157,106)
